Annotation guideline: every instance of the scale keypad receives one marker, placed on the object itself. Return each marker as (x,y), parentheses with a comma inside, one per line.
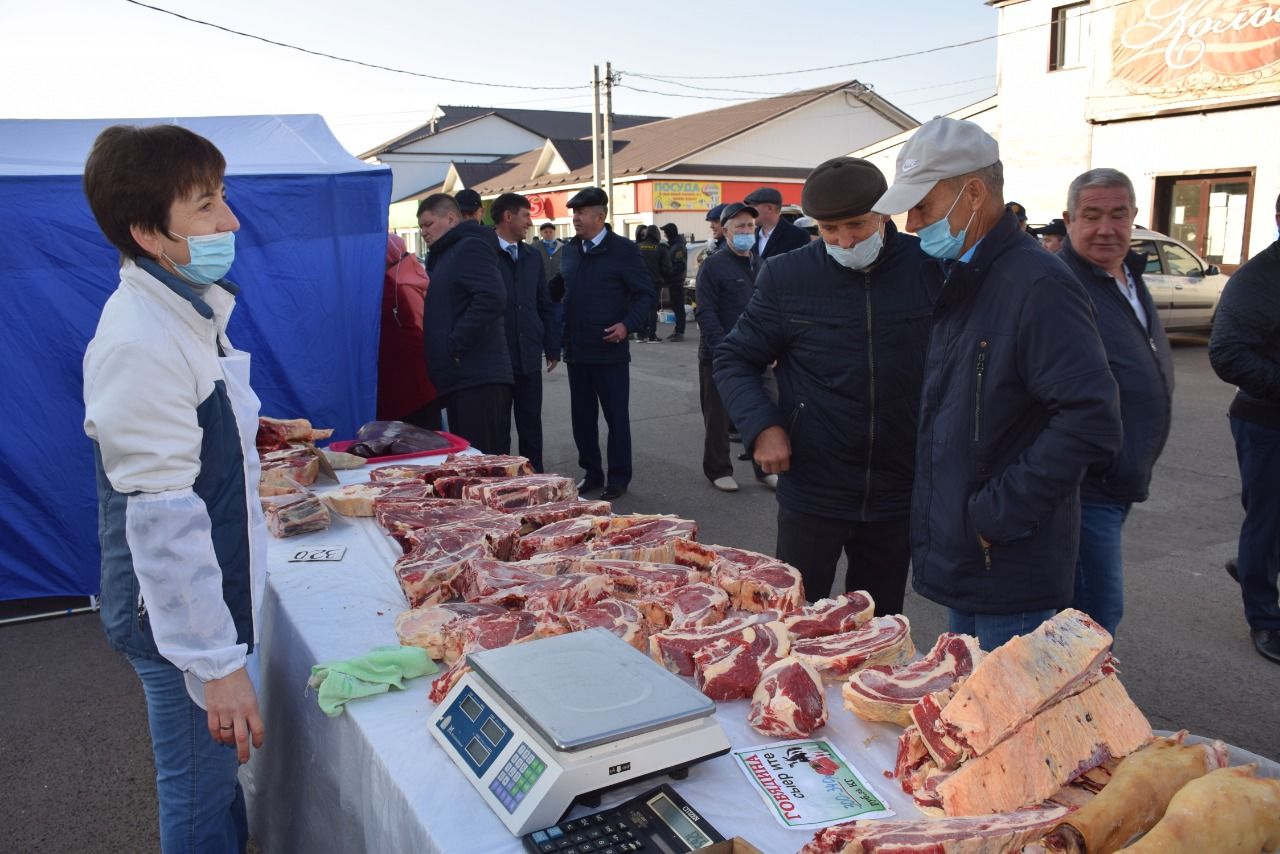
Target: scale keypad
(594,834)
(517,777)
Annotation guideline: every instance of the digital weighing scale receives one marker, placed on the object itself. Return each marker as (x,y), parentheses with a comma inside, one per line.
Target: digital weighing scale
(538,725)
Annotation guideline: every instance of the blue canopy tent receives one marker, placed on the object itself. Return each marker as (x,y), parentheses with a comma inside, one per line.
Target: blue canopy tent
(309,262)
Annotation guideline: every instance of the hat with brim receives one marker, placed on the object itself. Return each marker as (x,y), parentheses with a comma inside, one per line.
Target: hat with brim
(941,148)
(591,197)
(763,196)
(1056,228)
(842,187)
(730,211)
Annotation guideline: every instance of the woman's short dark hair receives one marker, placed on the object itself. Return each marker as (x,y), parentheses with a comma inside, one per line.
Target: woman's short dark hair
(134,174)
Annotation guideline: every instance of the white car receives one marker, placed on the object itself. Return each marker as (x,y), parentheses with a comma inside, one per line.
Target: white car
(1184,288)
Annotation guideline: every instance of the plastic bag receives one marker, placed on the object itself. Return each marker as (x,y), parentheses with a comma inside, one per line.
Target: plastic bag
(389,438)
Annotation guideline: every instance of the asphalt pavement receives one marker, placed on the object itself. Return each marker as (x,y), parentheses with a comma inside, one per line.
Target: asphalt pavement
(74,747)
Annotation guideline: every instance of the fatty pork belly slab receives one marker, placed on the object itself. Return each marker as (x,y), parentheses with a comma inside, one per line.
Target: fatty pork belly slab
(427,627)
(633,578)
(674,648)
(764,587)
(883,640)
(691,605)
(790,700)
(844,613)
(993,834)
(885,693)
(729,667)
(1012,684)
(1047,752)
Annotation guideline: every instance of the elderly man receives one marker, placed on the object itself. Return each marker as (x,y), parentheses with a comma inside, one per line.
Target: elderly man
(607,295)
(463,325)
(1245,351)
(846,318)
(774,235)
(548,249)
(1018,400)
(1101,206)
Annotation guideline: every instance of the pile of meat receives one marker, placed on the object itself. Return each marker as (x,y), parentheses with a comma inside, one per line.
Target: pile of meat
(290,465)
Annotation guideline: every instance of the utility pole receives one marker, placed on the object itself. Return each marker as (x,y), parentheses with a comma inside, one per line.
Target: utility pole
(595,128)
(608,136)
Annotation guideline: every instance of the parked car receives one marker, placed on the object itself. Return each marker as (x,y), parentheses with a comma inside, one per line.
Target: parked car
(1184,288)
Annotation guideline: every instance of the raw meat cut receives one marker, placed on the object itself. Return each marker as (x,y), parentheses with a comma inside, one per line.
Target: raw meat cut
(830,616)
(427,626)
(539,515)
(616,616)
(1136,796)
(1047,752)
(770,586)
(559,535)
(355,499)
(1012,683)
(991,834)
(1225,810)
(404,491)
(884,640)
(518,492)
(399,518)
(452,486)
(297,466)
(291,515)
(436,557)
(485,632)
(883,693)
(729,667)
(480,465)
(400,472)
(691,605)
(674,648)
(633,579)
(911,755)
(702,555)
(483,577)
(278,433)
(559,593)
(790,700)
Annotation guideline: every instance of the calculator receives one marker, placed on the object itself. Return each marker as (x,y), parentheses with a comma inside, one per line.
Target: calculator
(657,822)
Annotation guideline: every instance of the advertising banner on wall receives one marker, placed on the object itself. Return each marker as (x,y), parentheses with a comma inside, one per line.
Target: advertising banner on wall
(1176,56)
(685,195)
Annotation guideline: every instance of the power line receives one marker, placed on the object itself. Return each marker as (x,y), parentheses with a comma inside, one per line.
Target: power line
(349,60)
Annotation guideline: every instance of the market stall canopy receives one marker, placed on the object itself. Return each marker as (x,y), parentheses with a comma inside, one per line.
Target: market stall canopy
(309,262)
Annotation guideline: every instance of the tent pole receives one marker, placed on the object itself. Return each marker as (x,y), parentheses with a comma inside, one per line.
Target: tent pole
(92,606)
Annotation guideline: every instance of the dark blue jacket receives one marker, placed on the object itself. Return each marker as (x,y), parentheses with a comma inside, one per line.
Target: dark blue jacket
(607,286)
(785,237)
(1245,347)
(1018,402)
(850,350)
(1142,364)
(462,319)
(726,281)
(532,331)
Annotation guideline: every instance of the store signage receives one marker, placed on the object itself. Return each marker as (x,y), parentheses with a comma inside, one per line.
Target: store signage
(809,784)
(540,207)
(1186,55)
(685,195)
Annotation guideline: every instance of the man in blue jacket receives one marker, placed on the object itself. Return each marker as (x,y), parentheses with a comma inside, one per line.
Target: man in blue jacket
(846,318)
(1018,400)
(532,331)
(463,325)
(1101,206)
(607,295)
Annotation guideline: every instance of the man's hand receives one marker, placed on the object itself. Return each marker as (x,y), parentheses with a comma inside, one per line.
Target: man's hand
(233,712)
(772,450)
(616,334)
(551,364)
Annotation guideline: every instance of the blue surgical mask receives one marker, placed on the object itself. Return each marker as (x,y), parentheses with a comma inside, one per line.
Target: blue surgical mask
(860,256)
(211,257)
(937,240)
(744,242)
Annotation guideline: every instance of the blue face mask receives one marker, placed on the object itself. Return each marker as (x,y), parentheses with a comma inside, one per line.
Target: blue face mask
(937,240)
(211,257)
(744,242)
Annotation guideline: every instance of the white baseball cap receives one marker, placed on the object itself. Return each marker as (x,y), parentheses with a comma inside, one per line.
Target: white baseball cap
(940,148)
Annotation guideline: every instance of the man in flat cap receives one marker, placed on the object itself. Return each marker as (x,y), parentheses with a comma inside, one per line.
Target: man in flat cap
(774,235)
(846,319)
(607,295)
(1018,400)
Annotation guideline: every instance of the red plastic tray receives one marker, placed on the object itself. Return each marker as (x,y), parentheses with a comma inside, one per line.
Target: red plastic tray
(456,443)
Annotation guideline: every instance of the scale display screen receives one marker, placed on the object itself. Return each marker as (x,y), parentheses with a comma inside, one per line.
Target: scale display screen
(673,817)
(492,730)
(474,730)
(470,706)
(477,751)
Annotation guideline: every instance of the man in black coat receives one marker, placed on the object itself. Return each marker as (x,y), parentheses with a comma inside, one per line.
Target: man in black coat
(1101,206)
(607,295)
(658,262)
(1018,401)
(774,235)
(679,272)
(846,318)
(532,331)
(462,325)
(1245,351)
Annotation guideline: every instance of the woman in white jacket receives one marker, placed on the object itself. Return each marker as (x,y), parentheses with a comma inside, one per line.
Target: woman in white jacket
(173,421)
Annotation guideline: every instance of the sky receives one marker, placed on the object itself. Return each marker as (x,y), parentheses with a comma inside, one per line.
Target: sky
(119,59)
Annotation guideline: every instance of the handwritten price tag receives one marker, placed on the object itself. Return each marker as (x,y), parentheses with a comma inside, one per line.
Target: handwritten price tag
(316,554)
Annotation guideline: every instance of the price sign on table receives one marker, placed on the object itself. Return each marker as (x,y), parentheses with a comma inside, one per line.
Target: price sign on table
(314,554)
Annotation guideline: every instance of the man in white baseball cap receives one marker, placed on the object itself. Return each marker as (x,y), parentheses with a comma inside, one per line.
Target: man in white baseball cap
(1018,400)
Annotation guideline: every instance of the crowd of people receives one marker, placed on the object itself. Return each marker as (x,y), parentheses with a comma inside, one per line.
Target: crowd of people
(957,402)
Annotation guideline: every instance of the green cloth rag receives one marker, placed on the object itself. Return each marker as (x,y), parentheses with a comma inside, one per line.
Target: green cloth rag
(383,668)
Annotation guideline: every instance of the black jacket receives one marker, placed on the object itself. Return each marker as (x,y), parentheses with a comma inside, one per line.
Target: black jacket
(850,350)
(1142,364)
(725,283)
(463,312)
(785,237)
(1018,402)
(607,286)
(532,332)
(1245,347)
(679,253)
(657,260)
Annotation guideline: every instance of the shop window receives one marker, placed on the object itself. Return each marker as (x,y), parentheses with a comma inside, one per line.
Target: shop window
(1209,213)
(1068,33)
